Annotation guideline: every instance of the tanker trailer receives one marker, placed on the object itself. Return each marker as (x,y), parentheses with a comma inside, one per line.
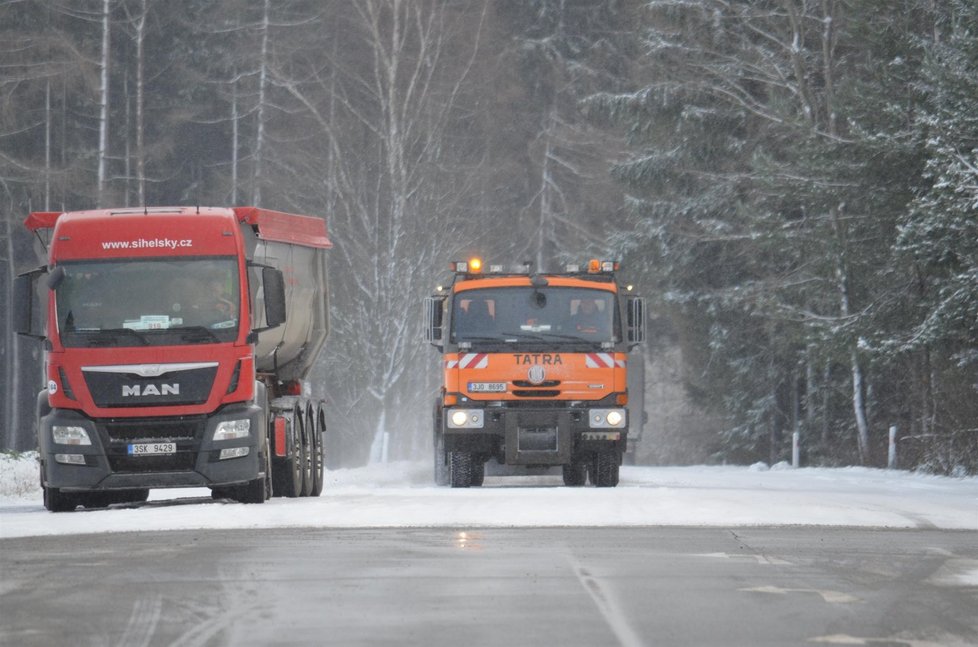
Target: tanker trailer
(177,341)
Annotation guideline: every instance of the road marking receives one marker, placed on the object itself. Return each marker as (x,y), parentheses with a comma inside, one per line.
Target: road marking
(609,608)
(832,597)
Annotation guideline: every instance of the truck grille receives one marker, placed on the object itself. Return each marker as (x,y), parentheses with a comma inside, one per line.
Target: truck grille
(546,384)
(116,389)
(535,393)
(154,429)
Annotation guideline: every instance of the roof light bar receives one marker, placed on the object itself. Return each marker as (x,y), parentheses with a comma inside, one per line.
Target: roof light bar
(595,266)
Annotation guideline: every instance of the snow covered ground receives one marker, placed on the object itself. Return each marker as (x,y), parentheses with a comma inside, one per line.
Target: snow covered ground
(401,495)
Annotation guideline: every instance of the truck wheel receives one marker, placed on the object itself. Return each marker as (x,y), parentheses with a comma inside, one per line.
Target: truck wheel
(605,469)
(56,501)
(575,474)
(308,452)
(478,472)
(129,496)
(440,455)
(461,469)
(288,475)
(256,490)
(251,492)
(319,462)
(95,499)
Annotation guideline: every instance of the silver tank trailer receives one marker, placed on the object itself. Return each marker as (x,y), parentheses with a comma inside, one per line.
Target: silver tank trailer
(288,351)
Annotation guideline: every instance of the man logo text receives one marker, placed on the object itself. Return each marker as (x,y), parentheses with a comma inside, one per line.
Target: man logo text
(137,390)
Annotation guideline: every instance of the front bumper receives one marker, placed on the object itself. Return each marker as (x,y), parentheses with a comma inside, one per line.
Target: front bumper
(108,464)
(531,436)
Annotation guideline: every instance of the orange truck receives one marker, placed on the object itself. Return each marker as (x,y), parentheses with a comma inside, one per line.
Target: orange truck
(535,370)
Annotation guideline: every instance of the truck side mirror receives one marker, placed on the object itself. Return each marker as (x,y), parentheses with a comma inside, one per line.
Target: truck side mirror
(433,330)
(635,322)
(273,284)
(26,302)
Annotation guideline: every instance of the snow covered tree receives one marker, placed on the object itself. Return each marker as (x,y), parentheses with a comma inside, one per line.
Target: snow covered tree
(938,241)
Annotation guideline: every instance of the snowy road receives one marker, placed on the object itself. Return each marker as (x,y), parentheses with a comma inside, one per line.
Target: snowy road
(674,556)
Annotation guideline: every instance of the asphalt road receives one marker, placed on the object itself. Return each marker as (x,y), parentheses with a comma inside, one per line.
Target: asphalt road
(507,587)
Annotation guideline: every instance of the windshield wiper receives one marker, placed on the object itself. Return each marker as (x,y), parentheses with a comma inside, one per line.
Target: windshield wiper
(197,334)
(465,338)
(111,336)
(574,338)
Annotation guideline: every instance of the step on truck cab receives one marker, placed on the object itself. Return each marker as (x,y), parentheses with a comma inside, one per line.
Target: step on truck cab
(535,370)
(176,344)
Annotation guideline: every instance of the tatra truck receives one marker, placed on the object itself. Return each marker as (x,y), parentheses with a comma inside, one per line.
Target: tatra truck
(176,340)
(535,370)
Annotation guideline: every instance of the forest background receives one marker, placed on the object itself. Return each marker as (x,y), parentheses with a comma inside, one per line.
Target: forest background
(793,184)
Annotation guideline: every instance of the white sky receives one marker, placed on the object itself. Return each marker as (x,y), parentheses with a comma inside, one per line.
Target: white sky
(401,495)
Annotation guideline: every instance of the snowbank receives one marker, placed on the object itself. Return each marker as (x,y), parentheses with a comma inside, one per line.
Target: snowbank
(401,495)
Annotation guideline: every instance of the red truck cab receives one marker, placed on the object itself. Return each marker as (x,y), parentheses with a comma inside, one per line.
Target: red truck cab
(152,320)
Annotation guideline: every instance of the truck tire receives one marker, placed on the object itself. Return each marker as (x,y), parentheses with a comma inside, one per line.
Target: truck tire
(461,469)
(251,492)
(478,472)
(56,501)
(128,496)
(575,474)
(308,451)
(256,490)
(319,464)
(605,469)
(440,458)
(288,471)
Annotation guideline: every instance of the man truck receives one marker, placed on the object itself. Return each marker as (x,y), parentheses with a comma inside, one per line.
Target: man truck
(177,340)
(534,370)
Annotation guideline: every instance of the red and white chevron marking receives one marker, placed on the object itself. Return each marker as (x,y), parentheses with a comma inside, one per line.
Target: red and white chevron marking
(469,360)
(602,360)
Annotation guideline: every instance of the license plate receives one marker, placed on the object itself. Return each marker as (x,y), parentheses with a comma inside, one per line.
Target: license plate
(487,387)
(151,449)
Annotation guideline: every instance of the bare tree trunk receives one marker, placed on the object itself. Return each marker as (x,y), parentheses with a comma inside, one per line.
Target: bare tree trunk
(842,264)
(140,100)
(234,139)
(103,130)
(262,89)
(127,155)
(47,146)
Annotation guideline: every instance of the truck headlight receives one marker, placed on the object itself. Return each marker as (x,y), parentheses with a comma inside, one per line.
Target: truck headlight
(232,429)
(64,435)
(604,418)
(465,419)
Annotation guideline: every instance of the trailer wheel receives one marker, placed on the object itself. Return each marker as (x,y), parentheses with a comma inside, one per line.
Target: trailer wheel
(56,501)
(308,426)
(297,461)
(440,458)
(575,474)
(461,468)
(319,464)
(605,469)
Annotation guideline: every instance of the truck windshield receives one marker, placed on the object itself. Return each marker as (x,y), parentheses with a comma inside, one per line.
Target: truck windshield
(155,302)
(532,315)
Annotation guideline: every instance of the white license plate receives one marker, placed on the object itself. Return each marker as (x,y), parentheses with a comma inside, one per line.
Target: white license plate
(150,449)
(487,387)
